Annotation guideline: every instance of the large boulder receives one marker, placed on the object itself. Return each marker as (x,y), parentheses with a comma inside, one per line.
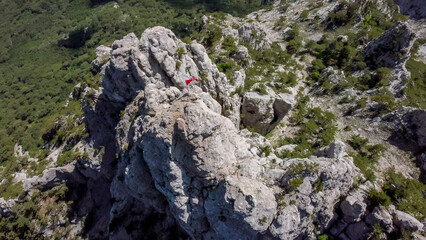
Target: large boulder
(334,150)
(380,216)
(392,50)
(263,111)
(410,122)
(103,53)
(353,207)
(357,231)
(254,33)
(405,221)
(160,58)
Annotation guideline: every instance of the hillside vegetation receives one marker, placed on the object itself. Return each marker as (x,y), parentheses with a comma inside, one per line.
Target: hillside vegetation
(46,47)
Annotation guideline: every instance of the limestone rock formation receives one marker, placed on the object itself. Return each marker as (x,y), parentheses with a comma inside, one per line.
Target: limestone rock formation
(263,111)
(410,122)
(353,207)
(333,76)
(103,53)
(253,33)
(392,48)
(406,221)
(382,217)
(182,157)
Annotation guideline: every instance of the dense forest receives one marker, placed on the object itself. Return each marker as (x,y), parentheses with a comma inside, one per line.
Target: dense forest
(46,48)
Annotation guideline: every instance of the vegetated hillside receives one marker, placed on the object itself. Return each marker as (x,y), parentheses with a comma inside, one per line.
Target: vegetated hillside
(46,48)
(297,128)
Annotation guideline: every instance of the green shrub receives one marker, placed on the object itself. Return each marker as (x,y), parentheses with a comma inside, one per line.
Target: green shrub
(318,185)
(261,89)
(378,198)
(293,32)
(358,142)
(304,14)
(266,150)
(377,233)
(295,183)
(229,45)
(228,68)
(9,190)
(323,237)
(67,157)
(416,88)
(213,34)
(343,13)
(294,45)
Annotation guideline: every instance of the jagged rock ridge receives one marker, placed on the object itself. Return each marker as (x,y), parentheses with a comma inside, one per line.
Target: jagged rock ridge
(179,145)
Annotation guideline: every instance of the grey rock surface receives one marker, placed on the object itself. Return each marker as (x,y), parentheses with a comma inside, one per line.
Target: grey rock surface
(414,8)
(392,48)
(406,221)
(254,34)
(381,216)
(103,53)
(353,207)
(357,231)
(183,157)
(264,111)
(411,122)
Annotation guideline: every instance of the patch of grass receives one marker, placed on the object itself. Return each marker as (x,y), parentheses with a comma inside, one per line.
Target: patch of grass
(304,14)
(323,237)
(318,185)
(378,198)
(31,214)
(261,89)
(266,150)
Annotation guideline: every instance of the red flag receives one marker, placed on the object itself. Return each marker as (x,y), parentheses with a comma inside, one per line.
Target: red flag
(190,80)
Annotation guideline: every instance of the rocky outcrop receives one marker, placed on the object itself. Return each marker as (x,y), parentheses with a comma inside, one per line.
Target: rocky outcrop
(415,8)
(163,60)
(6,206)
(405,221)
(263,111)
(353,207)
(392,49)
(335,150)
(103,53)
(410,124)
(253,33)
(182,157)
(242,57)
(333,76)
(380,216)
